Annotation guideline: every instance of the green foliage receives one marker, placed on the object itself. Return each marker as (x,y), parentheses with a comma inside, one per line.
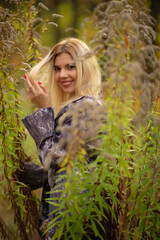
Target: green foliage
(120,189)
(144,216)
(78,208)
(122,184)
(19,49)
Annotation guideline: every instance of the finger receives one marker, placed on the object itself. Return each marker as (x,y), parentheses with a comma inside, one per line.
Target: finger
(34,83)
(27,81)
(37,85)
(32,91)
(42,86)
(31,80)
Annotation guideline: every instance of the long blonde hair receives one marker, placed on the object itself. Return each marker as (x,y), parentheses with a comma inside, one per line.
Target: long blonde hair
(89,77)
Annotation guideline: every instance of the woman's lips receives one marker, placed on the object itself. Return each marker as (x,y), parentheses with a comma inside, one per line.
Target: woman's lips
(67,83)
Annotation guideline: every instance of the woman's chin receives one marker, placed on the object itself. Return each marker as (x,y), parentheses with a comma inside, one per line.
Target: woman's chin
(68,91)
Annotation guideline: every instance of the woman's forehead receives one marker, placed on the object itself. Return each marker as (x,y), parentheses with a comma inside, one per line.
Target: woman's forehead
(63,58)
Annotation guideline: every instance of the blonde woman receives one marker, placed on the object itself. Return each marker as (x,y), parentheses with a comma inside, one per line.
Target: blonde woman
(73,79)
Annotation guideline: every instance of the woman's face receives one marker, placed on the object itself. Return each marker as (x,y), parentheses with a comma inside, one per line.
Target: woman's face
(65,72)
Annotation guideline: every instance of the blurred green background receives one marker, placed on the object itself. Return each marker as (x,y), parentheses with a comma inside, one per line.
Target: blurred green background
(75,21)
(75,13)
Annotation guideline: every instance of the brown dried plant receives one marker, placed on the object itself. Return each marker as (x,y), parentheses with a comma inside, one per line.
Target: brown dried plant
(131,75)
(19,49)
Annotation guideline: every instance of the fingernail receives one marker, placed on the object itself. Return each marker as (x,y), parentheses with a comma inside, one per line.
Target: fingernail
(39,83)
(25,76)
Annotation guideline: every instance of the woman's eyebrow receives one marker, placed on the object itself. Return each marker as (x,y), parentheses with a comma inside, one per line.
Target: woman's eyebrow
(72,63)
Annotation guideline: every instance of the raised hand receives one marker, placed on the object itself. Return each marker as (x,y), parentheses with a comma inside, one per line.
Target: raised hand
(38,93)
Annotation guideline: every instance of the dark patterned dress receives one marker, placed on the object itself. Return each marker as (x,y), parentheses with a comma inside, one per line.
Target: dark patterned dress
(44,129)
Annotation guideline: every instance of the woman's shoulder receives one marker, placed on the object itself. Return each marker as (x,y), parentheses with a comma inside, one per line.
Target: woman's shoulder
(78,102)
(84,98)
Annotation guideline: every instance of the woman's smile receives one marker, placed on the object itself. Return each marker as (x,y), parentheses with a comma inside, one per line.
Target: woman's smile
(66,83)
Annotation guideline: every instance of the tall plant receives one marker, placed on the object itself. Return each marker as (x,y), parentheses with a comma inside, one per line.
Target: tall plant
(20,48)
(117,195)
(132,63)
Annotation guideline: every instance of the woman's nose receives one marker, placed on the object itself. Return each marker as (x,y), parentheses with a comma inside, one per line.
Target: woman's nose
(63,73)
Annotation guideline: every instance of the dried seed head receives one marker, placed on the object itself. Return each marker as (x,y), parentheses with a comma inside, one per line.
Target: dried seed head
(41,5)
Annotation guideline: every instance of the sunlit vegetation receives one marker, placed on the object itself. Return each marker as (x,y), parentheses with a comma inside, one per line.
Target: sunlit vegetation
(123,182)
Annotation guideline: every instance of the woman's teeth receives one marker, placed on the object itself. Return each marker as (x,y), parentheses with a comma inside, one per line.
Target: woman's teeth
(66,83)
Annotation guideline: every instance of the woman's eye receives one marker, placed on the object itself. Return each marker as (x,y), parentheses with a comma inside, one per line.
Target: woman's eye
(70,67)
(56,69)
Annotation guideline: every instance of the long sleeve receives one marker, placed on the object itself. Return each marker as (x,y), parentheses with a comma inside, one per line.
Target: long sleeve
(41,126)
(34,175)
(53,137)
